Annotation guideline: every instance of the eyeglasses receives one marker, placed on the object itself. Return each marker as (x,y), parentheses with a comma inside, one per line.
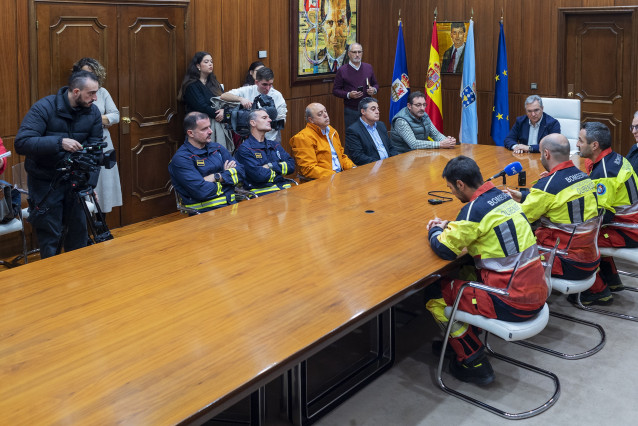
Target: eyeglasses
(418,105)
(632,127)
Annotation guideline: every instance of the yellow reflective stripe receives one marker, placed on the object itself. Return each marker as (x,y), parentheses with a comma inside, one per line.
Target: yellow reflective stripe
(233,175)
(218,201)
(437,308)
(284,168)
(272,175)
(263,190)
(219,188)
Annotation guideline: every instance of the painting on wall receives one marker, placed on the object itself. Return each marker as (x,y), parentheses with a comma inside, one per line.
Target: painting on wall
(322,32)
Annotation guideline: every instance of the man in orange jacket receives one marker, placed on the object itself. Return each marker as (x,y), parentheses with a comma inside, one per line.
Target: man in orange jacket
(317,148)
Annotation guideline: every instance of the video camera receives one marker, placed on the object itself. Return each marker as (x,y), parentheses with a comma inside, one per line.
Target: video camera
(82,168)
(238,120)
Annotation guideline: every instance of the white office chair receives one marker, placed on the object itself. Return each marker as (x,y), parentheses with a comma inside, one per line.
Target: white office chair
(564,286)
(627,254)
(14,225)
(567,112)
(509,331)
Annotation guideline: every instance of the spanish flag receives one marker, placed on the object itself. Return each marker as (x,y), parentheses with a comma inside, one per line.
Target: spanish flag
(434,104)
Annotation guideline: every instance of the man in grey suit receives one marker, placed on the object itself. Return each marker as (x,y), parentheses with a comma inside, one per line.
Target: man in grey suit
(367,138)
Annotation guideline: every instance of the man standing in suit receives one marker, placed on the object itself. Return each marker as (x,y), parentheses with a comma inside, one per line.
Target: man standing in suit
(367,139)
(529,129)
(452,61)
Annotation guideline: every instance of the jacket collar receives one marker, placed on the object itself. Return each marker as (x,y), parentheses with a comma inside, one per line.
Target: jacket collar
(589,165)
(482,190)
(318,131)
(564,165)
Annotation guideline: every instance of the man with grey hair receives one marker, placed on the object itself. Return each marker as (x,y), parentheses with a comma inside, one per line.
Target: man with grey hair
(615,181)
(265,162)
(563,197)
(317,148)
(367,139)
(531,128)
(632,156)
(353,81)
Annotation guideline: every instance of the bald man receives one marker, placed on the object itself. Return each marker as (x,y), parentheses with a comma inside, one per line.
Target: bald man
(562,198)
(317,148)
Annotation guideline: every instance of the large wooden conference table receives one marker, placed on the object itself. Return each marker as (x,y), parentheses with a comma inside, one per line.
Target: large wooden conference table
(176,323)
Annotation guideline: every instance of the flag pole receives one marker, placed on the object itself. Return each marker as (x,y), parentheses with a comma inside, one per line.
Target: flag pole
(399,21)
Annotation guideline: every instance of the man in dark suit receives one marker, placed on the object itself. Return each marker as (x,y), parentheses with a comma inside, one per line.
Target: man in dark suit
(367,139)
(452,60)
(529,129)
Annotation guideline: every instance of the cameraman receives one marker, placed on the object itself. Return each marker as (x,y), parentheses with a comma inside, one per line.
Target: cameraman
(263,86)
(54,127)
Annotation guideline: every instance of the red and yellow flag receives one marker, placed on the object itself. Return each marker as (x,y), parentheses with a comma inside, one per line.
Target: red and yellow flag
(434,107)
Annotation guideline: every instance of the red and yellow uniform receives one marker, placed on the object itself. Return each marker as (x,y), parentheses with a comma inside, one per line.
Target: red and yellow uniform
(498,236)
(563,199)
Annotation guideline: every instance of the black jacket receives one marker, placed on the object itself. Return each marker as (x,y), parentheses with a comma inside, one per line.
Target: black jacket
(48,121)
(361,148)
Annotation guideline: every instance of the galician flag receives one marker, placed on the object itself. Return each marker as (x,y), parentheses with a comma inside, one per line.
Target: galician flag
(501,109)
(469,119)
(434,103)
(400,81)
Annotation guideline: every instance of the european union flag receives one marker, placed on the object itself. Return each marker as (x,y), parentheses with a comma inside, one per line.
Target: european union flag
(501,110)
(400,82)
(469,119)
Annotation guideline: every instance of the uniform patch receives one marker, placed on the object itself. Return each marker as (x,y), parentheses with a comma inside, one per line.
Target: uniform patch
(258,155)
(601,189)
(201,163)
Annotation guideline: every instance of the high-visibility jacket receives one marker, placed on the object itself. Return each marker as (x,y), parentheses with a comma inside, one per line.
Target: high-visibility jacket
(616,182)
(565,202)
(498,236)
(253,155)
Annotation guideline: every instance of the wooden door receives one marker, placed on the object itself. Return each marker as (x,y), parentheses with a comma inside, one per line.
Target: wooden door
(152,62)
(143,51)
(598,69)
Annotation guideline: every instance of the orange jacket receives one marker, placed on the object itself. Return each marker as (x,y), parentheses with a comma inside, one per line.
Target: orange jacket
(312,152)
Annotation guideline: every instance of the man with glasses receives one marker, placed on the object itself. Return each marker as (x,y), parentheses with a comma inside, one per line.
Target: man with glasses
(352,81)
(529,129)
(412,128)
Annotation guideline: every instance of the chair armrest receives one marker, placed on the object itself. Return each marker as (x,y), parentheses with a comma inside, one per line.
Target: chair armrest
(622,225)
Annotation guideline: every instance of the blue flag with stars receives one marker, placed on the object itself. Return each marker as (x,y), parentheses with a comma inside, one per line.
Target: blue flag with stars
(469,119)
(501,110)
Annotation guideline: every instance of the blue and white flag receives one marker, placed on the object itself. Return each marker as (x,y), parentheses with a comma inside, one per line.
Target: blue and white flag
(400,81)
(469,120)
(501,110)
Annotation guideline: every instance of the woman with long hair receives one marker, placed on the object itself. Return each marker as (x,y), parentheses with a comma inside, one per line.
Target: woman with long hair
(200,85)
(252,71)
(108,185)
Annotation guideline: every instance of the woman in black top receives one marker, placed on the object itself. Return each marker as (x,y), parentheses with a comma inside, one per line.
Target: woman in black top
(199,85)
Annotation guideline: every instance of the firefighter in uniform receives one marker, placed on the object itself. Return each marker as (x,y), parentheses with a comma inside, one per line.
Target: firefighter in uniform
(265,161)
(615,181)
(563,199)
(204,173)
(497,235)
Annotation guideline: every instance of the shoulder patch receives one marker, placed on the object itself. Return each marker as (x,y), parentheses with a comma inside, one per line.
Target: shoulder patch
(601,189)
(258,155)
(201,163)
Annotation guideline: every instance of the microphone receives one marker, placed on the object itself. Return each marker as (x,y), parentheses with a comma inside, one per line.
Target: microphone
(509,170)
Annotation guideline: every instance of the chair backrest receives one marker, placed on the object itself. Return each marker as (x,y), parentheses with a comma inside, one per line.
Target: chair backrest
(180,203)
(567,112)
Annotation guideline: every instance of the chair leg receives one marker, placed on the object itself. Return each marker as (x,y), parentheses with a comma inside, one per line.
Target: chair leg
(563,355)
(513,416)
(627,317)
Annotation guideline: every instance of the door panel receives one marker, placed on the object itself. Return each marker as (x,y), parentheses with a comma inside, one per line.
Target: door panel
(605,92)
(142,49)
(152,43)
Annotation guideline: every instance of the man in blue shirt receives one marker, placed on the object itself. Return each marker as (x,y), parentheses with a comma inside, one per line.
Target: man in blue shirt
(367,139)
(204,173)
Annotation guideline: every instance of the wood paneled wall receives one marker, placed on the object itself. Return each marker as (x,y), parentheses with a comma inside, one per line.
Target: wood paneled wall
(234,30)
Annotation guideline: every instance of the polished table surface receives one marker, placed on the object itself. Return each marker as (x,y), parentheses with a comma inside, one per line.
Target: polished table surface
(175,323)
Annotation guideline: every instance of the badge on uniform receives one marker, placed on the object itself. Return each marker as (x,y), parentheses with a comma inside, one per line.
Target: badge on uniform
(201,163)
(601,189)
(258,155)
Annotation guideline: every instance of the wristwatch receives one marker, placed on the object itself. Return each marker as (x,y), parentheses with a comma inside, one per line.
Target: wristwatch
(218,177)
